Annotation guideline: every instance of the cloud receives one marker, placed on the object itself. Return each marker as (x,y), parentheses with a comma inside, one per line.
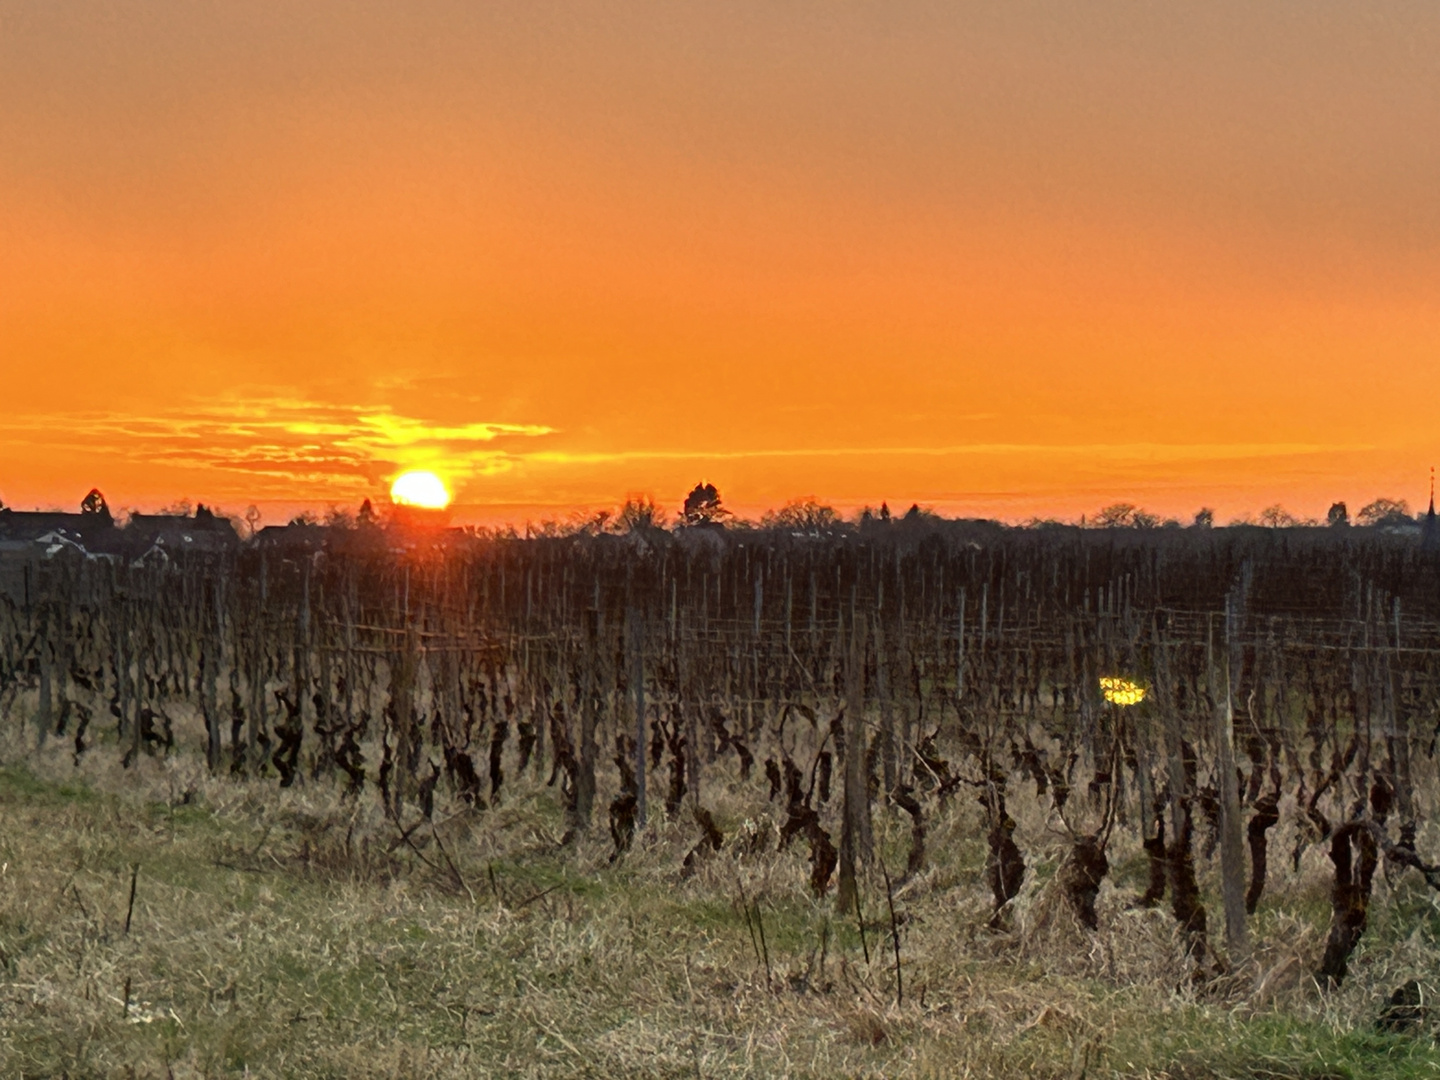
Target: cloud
(1114,452)
(266,446)
(294,443)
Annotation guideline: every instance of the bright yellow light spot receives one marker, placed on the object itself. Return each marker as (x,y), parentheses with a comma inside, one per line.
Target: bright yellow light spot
(1120,691)
(422,489)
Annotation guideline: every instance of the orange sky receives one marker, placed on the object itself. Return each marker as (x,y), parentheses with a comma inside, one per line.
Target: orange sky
(1001,259)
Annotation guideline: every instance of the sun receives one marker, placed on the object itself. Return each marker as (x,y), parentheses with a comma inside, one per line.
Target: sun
(420,488)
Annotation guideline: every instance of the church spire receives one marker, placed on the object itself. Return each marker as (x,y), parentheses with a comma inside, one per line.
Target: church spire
(1430,534)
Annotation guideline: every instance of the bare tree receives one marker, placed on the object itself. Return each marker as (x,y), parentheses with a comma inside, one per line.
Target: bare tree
(802,515)
(1277,517)
(639,514)
(1385,512)
(1124,515)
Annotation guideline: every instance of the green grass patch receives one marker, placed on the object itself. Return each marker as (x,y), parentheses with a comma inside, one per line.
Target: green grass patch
(290,934)
(18,785)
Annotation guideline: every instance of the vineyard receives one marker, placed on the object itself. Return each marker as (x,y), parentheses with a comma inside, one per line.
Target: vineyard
(1194,694)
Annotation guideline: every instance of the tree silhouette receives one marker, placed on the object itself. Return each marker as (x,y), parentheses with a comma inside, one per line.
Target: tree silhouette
(802,515)
(1338,516)
(702,506)
(639,514)
(1277,517)
(1125,516)
(94,503)
(1385,512)
(1116,516)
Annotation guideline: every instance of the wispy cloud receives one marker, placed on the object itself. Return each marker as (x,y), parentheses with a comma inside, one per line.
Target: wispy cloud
(1117,452)
(269,446)
(280,439)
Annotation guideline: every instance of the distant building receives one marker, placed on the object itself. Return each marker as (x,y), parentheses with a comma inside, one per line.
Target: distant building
(362,539)
(174,533)
(93,527)
(296,538)
(93,532)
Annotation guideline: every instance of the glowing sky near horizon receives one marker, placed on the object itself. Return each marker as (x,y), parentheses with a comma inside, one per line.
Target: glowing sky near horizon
(999,259)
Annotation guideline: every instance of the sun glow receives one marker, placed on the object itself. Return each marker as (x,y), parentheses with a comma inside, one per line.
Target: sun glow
(420,488)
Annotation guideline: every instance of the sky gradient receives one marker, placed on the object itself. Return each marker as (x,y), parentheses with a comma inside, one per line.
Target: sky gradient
(1012,259)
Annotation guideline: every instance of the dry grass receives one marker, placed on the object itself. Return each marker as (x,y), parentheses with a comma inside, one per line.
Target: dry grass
(287,933)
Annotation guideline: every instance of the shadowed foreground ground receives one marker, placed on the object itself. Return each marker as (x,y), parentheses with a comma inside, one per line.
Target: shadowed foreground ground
(292,934)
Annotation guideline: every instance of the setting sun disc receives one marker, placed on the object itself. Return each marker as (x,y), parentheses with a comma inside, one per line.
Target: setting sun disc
(420,488)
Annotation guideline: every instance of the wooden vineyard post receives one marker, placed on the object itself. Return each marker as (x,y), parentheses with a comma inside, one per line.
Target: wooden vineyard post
(1152,831)
(1232,852)
(855,826)
(256,678)
(300,657)
(585,780)
(960,653)
(1184,891)
(45,710)
(349,615)
(887,715)
(542,714)
(1398,731)
(131,716)
(255,647)
(122,665)
(208,675)
(637,681)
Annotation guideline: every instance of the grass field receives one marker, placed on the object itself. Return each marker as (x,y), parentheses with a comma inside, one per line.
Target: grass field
(290,933)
